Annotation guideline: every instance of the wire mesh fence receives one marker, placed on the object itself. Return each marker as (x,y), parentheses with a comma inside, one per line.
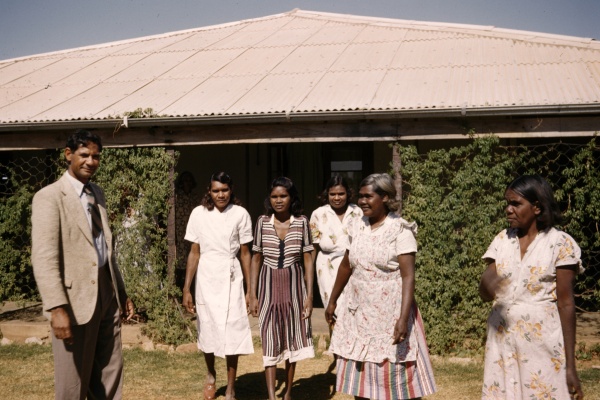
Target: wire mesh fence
(574,174)
(20,178)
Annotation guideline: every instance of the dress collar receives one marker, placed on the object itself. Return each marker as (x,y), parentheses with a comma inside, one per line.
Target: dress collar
(272,219)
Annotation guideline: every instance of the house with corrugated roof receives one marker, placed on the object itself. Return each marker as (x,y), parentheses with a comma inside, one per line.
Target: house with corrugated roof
(303,94)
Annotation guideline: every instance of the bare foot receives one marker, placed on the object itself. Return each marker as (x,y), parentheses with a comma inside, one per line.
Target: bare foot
(230,394)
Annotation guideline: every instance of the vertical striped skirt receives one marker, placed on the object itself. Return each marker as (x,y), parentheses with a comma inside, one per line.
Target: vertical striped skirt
(387,380)
(285,335)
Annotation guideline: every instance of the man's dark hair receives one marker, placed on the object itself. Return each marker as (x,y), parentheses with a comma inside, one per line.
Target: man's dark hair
(82,137)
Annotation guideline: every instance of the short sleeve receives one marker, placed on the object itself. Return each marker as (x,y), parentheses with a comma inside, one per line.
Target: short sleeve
(257,245)
(245,227)
(351,229)
(406,241)
(307,245)
(569,252)
(314,227)
(191,232)
(492,251)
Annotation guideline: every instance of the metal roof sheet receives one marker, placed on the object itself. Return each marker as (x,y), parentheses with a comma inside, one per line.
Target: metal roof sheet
(303,62)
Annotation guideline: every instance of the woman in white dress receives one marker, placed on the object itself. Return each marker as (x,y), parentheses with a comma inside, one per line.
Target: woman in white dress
(329,230)
(219,229)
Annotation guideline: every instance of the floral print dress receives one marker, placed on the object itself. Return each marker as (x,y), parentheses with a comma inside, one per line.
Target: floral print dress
(331,235)
(369,365)
(524,355)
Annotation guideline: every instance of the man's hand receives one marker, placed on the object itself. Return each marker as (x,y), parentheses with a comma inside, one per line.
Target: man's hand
(61,324)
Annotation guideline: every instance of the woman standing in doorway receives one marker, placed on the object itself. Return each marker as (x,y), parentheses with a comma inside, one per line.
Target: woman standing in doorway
(282,274)
(329,229)
(219,229)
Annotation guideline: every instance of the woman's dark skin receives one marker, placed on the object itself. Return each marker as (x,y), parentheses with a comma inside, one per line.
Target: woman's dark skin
(281,202)
(373,206)
(221,196)
(522,215)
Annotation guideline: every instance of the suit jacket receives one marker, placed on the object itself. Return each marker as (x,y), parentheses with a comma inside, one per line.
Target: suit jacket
(64,259)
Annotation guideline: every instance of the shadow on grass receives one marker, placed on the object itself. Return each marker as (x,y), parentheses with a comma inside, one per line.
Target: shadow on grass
(252,386)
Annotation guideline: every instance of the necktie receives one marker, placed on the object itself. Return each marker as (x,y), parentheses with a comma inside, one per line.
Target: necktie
(94,211)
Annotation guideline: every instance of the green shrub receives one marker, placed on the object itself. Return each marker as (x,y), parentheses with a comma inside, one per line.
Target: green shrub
(456,196)
(137,185)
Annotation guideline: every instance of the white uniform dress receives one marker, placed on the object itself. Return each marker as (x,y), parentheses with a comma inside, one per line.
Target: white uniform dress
(223,327)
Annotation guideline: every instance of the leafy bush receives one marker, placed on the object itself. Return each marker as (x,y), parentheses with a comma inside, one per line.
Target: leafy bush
(16,275)
(137,185)
(456,196)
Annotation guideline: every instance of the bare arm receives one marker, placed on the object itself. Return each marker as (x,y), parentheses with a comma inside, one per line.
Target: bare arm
(489,282)
(245,260)
(565,281)
(341,280)
(257,260)
(407,271)
(315,252)
(190,270)
(309,273)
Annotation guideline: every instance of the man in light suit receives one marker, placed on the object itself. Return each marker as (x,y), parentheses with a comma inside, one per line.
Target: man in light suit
(76,272)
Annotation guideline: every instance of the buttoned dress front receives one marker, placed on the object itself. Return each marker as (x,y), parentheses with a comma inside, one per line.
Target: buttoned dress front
(223,326)
(331,235)
(282,291)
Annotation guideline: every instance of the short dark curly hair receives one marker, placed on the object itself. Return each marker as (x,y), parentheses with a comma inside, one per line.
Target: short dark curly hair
(225,179)
(336,180)
(296,204)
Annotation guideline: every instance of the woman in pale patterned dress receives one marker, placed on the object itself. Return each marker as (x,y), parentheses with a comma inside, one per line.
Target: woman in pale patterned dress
(282,273)
(219,229)
(379,336)
(530,347)
(329,229)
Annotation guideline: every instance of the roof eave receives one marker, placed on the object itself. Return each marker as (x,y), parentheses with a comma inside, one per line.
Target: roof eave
(312,116)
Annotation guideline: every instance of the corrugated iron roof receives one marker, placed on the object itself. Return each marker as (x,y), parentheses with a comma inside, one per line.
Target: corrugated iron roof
(303,62)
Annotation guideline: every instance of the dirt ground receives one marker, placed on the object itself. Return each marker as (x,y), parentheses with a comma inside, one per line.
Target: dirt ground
(588,324)
(588,328)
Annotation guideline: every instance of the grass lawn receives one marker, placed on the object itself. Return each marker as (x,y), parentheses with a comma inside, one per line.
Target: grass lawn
(26,372)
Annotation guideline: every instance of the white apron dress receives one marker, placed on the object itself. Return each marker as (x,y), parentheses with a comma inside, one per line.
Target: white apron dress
(223,327)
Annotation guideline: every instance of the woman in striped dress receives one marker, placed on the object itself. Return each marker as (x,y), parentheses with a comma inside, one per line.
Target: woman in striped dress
(282,271)
(379,336)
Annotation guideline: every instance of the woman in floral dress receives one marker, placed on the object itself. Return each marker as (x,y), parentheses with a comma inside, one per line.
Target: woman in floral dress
(282,273)
(379,337)
(530,348)
(329,229)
